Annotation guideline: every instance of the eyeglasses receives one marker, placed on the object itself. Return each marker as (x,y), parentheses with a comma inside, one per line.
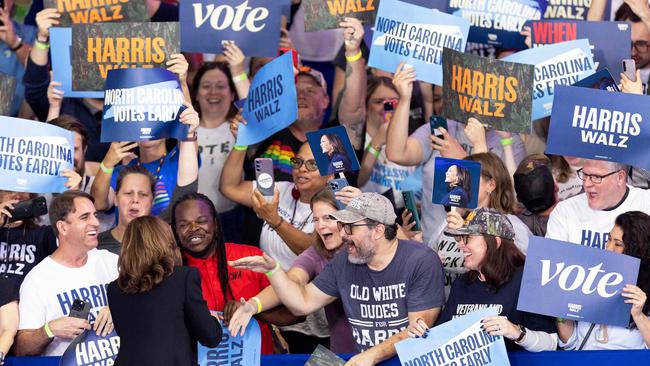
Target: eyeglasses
(595,179)
(310,164)
(640,46)
(348,227)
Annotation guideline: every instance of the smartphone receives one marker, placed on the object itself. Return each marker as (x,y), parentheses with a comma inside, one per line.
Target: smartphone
(336,185)
(629,69)
(410,204)
(264,176)
(80,309)
(435,122)
(28,209)
(294,55)
(389,105)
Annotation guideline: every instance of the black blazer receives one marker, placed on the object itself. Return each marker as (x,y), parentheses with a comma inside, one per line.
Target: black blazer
(161,326)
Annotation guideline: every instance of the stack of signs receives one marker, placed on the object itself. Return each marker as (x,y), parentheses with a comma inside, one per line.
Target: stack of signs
(333,151)
(328,14)
(254,25)
(87,12)
(90,349)
(498,22)
(456,182)
(97,48)
(563,9)
(609,41)
(576,282)
(458,342)
(7,91)
(238,350)
(495,92)
(271,104)
(33,155)
(417,36)
(598,124)
(142,104)
(561,63)
(602,80)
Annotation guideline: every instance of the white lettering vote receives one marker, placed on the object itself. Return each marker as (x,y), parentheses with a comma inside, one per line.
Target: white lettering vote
(582,278)
(235,18)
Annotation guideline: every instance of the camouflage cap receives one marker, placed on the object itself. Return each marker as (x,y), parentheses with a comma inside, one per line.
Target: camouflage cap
(372,206)
(485,221)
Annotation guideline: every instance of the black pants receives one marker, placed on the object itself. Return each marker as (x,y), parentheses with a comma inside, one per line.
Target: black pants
(300,343)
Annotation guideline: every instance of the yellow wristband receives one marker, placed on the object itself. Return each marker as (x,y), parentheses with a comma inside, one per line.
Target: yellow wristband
(105,169)
(507,141)
(239,78)
(48,331)
(373,151)
(41,45)
(241,147)
(354,58)
(258,302)
(275,269)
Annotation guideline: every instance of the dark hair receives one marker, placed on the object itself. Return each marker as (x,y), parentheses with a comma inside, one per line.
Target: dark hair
(326,196)
(375,82)
(337,144)
(560,167)
(135,169)
(148,254)
(500,263)
(464,179)
(390,231)
(63,204)
(625,13)
(70,123)
(219,243)
(636,241)
(503,196)
(196,84)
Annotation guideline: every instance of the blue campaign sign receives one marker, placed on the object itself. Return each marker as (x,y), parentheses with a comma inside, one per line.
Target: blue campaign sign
(431,4)
(456,182)
(576,282)
(271,104)
(498,23)
(598,124)
(239,350)
(417,36)
(33,155)
(61,44)
(254,25)
(561,63)
(563,9)
(333,151)
(609,41)
(602,80)
(89,349)
(457,342)
(142,104)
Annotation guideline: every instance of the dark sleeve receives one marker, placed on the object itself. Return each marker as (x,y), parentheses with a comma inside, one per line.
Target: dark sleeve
(36,81)
(49,240)
(7,293)
(326,280)
(166,13)
(177,194)
(426,289)
(203,326)
(539,322)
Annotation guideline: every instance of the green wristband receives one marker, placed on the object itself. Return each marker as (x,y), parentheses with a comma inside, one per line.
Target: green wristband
(275,269)
(241,147)
(48,331)
(507,141)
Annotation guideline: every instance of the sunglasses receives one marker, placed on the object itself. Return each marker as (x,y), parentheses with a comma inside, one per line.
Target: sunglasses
(310,164)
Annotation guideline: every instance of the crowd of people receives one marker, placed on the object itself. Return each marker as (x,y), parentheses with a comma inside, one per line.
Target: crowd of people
(155,235)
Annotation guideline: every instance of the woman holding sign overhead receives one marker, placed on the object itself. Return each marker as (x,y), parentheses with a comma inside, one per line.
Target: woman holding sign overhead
(630,236)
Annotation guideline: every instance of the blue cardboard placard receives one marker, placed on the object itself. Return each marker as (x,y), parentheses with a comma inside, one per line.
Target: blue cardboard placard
(597,124)
(609,41)
(333,151)
(271,104)
(90,349)
(447,344)
(417,36)
(61,44)
(456,182)
(33,155)
(498,22)
(238,350)
(602,80)
(142,104)
(561,63)
(431,4)
(254,25)
(563,9)
(576,282)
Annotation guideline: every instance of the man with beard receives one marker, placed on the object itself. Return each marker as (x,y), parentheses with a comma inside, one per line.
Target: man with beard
(383,282)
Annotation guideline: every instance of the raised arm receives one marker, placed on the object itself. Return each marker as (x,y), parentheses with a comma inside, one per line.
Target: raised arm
(101,189)
(235,58)
(597,10)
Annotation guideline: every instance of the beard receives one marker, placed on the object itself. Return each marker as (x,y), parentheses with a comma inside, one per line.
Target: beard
(363,253)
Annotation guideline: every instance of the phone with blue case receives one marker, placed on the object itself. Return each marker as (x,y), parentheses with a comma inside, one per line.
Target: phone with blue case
(336,185)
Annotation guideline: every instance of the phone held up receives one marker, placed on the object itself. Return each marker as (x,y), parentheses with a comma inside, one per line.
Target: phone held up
(336,185)
(264,177)
(80,309)
(435,122)
(629,69)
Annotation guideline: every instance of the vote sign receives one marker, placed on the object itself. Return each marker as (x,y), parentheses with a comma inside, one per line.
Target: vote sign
(576,282)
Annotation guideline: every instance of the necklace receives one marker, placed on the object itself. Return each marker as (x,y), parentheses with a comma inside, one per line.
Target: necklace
(160,163)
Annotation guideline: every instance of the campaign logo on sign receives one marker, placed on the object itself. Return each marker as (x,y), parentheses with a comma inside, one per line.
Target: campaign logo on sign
(598,124)
(254,25)
(61,49)
(461,341)
(142,104)
(87,12)
(456,182)
(7,91)
(576,282)
(33,155)
(238,350)
(602,80)
(561,63)
(271,104)
(89,349)
(417,36)
(333,151)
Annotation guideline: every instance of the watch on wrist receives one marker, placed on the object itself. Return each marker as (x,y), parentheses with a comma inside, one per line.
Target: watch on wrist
(522,329)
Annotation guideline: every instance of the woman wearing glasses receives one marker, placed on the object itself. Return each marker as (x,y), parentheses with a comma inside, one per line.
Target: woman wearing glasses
(631,236)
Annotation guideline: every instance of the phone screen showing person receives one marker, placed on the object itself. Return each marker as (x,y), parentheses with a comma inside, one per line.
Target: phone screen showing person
(435,122)
(264,176)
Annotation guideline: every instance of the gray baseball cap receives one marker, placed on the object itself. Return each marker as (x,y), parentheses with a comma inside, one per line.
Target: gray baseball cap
(372,206)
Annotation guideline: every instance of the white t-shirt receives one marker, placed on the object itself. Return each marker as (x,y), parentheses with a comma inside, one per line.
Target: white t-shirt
(574,221)
(50,289)
(617,338)
(294,212)
(214,146)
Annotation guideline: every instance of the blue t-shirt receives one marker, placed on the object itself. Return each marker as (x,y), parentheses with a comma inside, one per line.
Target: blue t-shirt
(377,303)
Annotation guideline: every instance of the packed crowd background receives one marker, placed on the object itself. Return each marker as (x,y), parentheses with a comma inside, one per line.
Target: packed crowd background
(152,230)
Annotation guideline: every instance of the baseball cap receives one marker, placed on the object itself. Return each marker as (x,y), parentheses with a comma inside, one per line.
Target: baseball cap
(314,74)
(372,206)
(485,221)
(535,186)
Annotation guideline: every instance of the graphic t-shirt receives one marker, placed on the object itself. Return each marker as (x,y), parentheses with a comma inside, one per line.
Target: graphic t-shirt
(280,147)
(377,303)
(50,289)
(214,146)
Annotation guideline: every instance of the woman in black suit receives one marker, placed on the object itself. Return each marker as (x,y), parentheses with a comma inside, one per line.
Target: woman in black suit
(156,305)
